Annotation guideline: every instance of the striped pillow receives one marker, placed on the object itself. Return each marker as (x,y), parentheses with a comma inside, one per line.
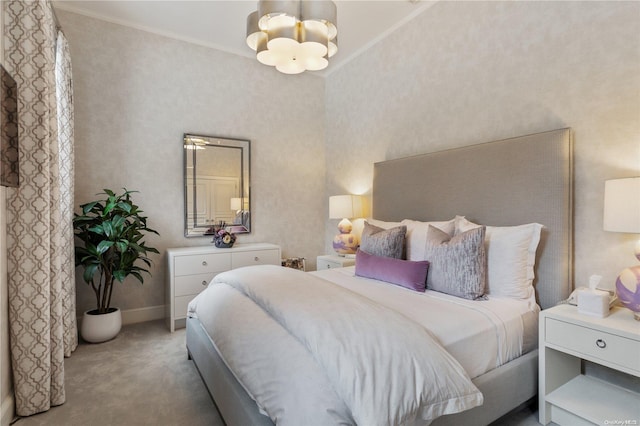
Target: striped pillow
(458,264)
(383,242)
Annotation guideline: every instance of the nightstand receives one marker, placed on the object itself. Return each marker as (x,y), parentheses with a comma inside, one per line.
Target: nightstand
(567,337)
(330,261)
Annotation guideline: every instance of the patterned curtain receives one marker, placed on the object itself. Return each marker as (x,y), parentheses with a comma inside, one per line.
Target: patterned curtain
(39,233)
(64,95)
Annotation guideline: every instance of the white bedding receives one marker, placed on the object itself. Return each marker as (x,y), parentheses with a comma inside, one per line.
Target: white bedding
(502,328)
(481,335)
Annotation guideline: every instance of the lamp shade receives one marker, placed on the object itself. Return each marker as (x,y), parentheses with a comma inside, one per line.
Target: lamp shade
(236,203)
(622,205)
(345,206)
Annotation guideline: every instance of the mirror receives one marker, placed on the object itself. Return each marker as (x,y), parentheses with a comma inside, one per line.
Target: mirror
(217,187)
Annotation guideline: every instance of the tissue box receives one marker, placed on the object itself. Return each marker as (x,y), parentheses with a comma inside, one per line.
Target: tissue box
(593,302)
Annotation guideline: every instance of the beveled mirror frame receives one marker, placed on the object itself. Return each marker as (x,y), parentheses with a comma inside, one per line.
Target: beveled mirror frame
(200,175)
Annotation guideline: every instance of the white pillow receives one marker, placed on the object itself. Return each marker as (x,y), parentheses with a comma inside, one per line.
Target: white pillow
(382,224)
(416,238)
(511,257)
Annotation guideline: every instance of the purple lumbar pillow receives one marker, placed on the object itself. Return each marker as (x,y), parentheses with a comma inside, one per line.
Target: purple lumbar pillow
(406,273)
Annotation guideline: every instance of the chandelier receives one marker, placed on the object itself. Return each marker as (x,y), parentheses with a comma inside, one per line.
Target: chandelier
(293,35)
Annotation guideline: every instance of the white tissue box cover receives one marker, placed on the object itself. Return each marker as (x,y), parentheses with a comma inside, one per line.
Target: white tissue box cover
(593,302)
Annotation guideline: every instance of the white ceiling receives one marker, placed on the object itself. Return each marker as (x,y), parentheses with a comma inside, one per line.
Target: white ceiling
(221,24)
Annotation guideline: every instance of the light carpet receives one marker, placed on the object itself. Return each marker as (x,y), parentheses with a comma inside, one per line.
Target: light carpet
(143,377)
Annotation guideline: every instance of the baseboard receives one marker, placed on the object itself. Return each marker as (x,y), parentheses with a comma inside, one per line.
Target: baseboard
(7,411)
(133,316)
(149,313)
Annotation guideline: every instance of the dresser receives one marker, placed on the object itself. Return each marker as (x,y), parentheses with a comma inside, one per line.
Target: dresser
(192,268)
(568,397)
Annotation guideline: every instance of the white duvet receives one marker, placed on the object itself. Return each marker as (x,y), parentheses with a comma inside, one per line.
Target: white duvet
(311,352)
(481,335)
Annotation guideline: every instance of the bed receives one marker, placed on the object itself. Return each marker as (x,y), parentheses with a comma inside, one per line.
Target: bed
(465,186)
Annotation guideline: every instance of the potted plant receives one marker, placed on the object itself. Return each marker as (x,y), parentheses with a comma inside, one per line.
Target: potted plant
(111,231)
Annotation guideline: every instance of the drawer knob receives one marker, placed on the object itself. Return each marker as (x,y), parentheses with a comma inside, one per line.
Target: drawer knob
(601,343)
(204,282)
(256,258)
(204,263)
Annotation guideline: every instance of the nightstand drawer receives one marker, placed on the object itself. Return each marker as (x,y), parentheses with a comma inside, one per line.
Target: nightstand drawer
(262,257)
(202,263)
(593,343)
(330,261)
(192,284)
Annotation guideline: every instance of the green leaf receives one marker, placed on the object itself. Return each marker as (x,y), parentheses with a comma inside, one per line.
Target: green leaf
(97,229)
(88,273)
(138,276)
(125,206)
(86,208)
(120,275)
(108,229)
(103,246)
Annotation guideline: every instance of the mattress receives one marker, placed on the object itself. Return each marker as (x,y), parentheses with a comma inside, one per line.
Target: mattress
(480,334)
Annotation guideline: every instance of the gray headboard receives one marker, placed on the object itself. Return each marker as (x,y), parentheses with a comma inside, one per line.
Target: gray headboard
(508,182)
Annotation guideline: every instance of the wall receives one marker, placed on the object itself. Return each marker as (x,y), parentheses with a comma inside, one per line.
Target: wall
(470,72)
(135,95)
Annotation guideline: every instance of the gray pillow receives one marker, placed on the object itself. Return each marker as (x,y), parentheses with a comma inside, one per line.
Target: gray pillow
(383,242)
(458,264)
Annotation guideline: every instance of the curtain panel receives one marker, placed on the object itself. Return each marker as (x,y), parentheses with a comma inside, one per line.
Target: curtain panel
(39,231)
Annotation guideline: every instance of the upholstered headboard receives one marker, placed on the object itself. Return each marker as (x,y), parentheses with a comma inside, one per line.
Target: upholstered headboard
(508,182)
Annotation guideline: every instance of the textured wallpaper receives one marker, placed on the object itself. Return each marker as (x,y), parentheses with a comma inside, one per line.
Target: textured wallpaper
(468,72)
(460,73)
(136,93)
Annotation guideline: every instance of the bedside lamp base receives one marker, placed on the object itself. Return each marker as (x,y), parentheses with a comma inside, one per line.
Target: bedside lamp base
(345,242)
(628,290)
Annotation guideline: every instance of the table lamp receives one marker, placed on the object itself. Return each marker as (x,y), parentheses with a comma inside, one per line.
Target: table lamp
(622,214)
(345,207)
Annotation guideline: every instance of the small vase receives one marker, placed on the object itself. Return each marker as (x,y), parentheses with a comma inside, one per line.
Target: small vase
(221,244)
(98,328)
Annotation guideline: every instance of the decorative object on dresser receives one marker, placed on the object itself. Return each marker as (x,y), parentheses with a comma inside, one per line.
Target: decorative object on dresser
(217,186)
(295,263)
(568,397)
(221,237)
(345,207)
(112,232)
(622,214)
(331,261)
(192,268)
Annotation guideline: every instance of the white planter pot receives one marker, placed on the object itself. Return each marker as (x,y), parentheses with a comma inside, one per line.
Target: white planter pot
(97,328)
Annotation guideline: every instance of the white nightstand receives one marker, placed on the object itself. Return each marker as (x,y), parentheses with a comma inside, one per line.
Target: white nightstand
(567,337)
(329,261)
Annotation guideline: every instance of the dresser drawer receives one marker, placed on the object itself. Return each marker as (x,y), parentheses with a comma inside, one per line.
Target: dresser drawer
(192,284)
(202,263)
(261,257)
(593,343)
(181,304)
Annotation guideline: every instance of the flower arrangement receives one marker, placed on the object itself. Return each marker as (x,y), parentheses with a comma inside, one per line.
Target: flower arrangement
(221,237)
